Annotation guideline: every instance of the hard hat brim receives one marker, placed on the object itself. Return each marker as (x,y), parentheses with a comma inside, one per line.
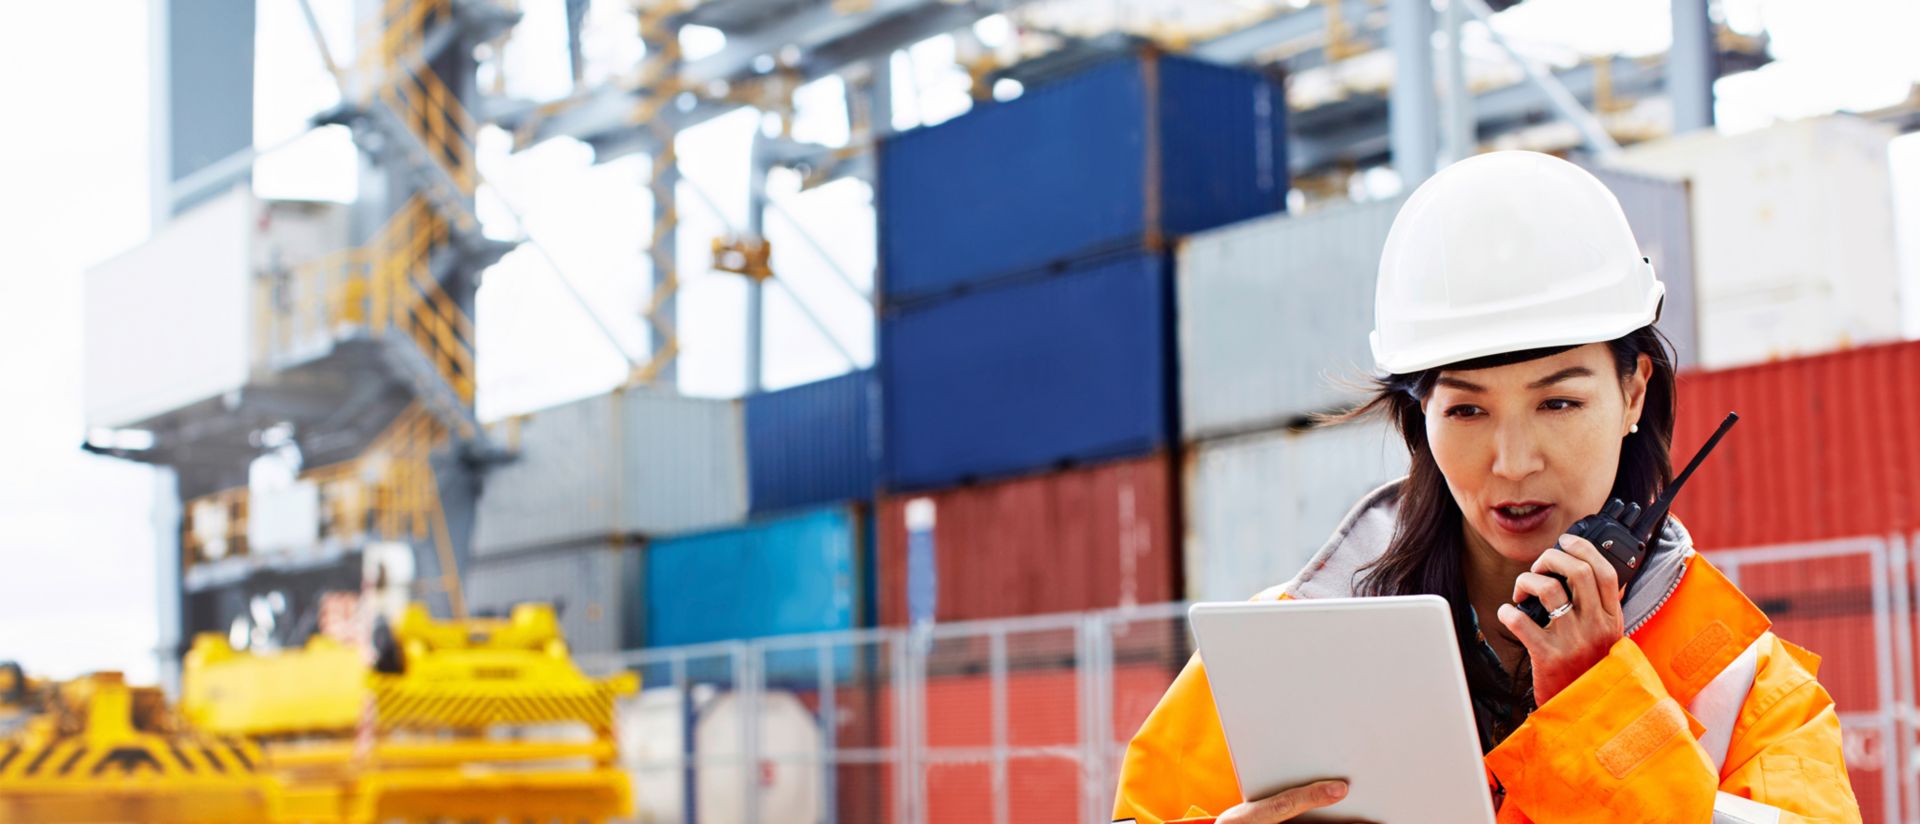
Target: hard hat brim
(1540,333)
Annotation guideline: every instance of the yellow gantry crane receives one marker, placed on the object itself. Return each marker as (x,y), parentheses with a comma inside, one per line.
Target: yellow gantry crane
(96,750)
(474,719)
(481,719)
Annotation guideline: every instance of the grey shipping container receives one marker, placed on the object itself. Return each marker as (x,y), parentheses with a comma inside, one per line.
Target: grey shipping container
(636,463)
(1260,505)
(1275,312)
(587,585)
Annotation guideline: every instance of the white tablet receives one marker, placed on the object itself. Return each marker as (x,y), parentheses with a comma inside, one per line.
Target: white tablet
(1366,689)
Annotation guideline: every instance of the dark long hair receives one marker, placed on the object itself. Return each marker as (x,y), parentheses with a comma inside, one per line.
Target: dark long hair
(1425,555)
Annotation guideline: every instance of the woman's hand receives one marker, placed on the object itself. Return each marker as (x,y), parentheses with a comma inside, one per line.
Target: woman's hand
(1569,645)
(1286,804)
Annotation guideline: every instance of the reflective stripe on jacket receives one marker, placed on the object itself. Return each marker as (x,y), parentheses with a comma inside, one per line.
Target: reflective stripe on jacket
(1699,714)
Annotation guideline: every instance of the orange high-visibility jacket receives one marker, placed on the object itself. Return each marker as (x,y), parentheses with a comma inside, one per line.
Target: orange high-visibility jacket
(1699,714)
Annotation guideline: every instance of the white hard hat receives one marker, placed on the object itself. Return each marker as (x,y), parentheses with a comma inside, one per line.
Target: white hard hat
(1505,252)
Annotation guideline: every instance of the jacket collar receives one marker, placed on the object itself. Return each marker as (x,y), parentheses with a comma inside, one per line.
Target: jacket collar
(1687,617)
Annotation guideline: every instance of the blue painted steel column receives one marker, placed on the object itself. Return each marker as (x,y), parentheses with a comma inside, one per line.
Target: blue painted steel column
(1413,110)
(923,588)
(1690,67)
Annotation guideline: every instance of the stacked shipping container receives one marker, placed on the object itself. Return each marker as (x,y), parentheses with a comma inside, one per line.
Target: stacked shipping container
(631,463)
(626,510)
(1078,539)
(1827,447)
(1273,324)
(1026,341)
(1794,231)
(797,573)
(814,444)
(587,586)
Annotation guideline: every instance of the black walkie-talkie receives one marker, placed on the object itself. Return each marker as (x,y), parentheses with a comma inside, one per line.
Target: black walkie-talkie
(1621,530)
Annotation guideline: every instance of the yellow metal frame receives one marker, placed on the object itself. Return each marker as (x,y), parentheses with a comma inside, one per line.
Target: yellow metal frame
(390,491)
(342,743)
(104,751)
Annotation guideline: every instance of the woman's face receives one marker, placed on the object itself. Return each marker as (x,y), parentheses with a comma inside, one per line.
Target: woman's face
(1529,448)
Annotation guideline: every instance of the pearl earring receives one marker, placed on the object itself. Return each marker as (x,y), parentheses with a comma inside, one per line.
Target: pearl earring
(1634,429)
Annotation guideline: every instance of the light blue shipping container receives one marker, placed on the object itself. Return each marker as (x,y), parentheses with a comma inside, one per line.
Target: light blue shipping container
(780,576)
(814,444)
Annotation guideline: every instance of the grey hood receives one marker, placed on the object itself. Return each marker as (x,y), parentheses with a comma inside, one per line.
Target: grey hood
(1363,536)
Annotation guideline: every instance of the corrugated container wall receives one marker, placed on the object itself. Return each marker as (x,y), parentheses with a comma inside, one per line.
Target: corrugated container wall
(814,444)
(1275,313)
(1660,212)
(642,462)
(1259,506)
(1128,154)
(1827,447)
(802,573)
(1274,317)
(1794,235)
(1070,368)
(586,585)
(1082,539)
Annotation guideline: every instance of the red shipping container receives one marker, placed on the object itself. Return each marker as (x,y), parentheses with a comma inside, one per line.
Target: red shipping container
(1082,539)
(1827,447)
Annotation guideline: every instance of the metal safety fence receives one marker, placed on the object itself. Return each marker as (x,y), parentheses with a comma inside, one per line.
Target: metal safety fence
(1026,719)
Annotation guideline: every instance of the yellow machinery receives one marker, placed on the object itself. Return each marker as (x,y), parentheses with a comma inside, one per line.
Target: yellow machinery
(95,750)
(478,719)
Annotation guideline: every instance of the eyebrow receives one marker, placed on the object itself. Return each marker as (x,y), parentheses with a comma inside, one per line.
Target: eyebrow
(1568,373)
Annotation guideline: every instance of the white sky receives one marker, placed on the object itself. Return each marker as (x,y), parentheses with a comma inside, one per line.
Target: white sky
(76,533)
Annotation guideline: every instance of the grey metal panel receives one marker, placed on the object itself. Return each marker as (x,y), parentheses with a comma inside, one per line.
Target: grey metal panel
(562,488)
(643,463)
(584,583)
(1658,209)
(209,83)
(1274,316)
(1259,506)
(684,465)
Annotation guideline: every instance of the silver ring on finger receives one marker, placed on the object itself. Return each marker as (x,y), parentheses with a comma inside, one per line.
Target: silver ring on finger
(1559,611)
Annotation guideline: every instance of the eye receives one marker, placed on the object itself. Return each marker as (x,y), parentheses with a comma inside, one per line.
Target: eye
(1561,404)
(1462,411)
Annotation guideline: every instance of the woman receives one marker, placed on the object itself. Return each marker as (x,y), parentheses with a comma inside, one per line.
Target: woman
(1514,323)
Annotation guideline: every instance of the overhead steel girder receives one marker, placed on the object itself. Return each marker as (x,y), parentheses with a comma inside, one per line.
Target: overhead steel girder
(1354,131)
(828,41)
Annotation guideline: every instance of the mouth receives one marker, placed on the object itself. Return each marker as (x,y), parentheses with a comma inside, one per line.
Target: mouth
(1521,517)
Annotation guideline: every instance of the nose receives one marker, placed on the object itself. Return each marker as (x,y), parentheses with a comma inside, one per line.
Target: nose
(1516,451)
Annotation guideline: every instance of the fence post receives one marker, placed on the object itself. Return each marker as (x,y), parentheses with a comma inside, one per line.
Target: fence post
(1096,715)
(997,674)
(1901,750)
(747,679)
(1883,650)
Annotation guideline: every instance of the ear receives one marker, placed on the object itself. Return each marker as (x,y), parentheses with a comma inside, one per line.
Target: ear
(1635,389)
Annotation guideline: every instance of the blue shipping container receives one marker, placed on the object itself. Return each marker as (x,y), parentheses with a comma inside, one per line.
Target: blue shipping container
(804,573)
(813,444)
(1074,367)
(1129,154)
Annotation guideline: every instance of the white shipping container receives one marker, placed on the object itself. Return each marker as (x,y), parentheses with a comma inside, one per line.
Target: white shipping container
(283,519)
(1259,506)
(1794,236)
(587,585)
(642,462)
(1274,316)
(171,322)
(1275,312)
(168,323)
